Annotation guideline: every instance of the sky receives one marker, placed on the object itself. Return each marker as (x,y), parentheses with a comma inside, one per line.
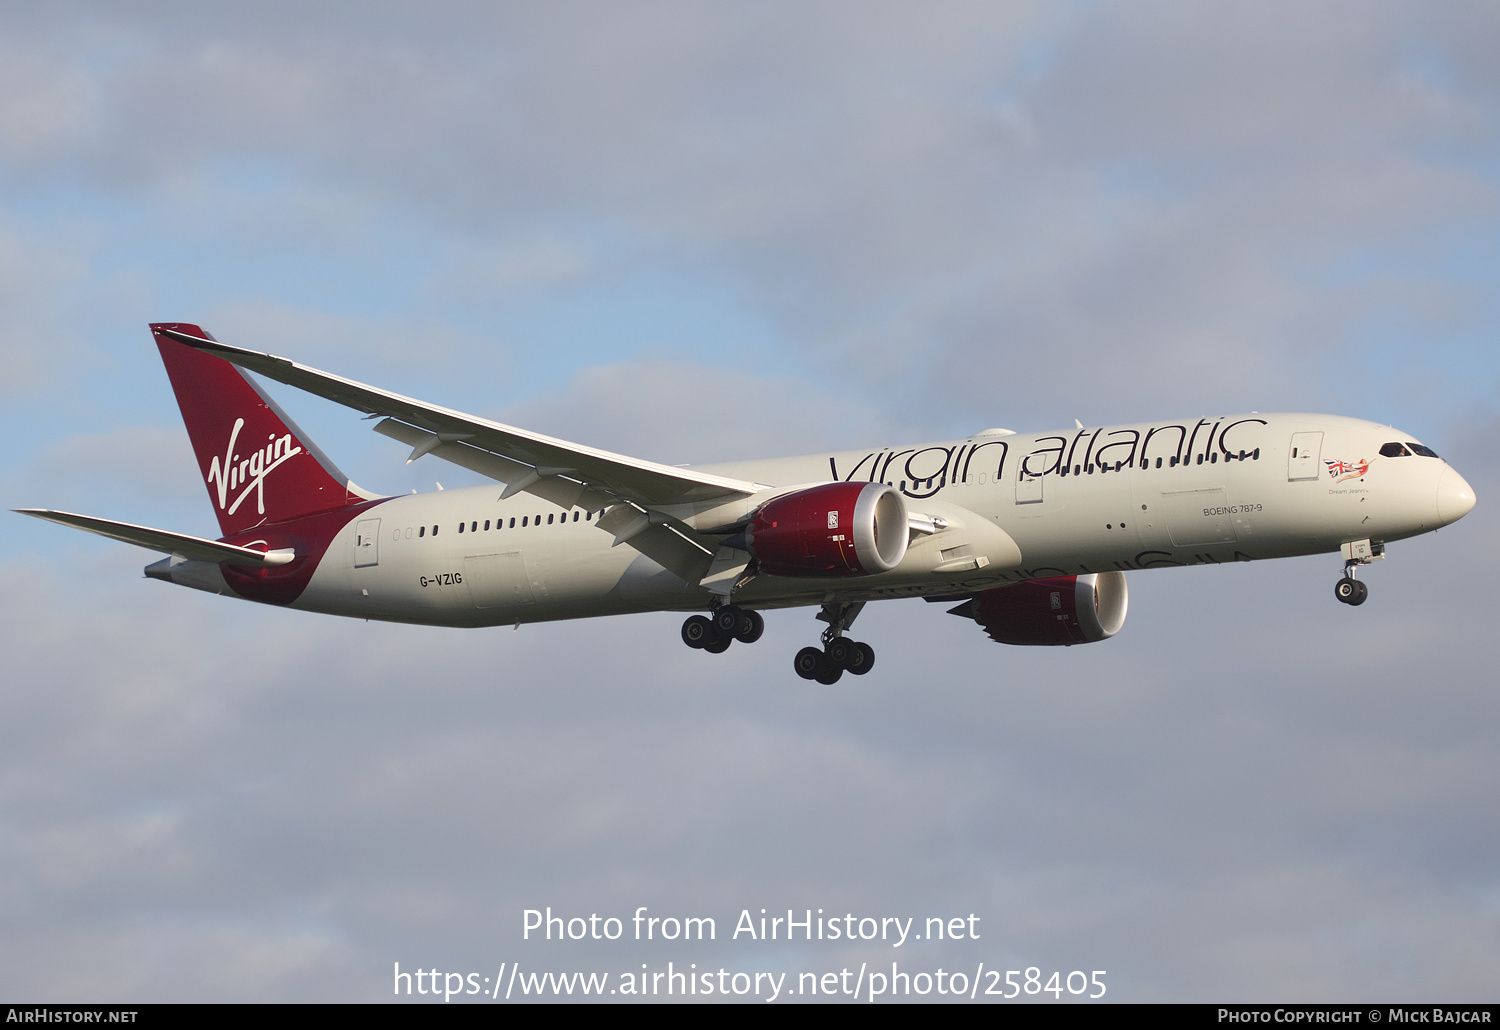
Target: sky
(705,232)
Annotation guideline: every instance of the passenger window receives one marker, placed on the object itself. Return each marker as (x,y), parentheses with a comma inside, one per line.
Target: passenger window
(1158,463)
(460,527)
(549,520)
(523,521)
(575,516)
(512,523)
(434,531)
(486,525)
(474,527)
(421,531)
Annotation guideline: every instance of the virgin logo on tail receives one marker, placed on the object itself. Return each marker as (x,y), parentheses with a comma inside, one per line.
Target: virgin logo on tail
(236,472)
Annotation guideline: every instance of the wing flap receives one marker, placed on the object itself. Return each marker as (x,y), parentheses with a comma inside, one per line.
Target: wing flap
(564,492)
(670,543)
(192,547)
(615,475)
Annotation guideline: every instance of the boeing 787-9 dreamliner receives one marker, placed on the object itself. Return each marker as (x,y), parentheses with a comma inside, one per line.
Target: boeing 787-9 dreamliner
(1030,535)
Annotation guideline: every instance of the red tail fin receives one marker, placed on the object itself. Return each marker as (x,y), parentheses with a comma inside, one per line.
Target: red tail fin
(258,466)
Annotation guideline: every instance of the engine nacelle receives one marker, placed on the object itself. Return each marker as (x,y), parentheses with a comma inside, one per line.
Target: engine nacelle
(1061,610)
(838,529)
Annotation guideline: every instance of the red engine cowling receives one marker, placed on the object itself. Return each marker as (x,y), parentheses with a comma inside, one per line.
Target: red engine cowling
(1062,610)
(839,529)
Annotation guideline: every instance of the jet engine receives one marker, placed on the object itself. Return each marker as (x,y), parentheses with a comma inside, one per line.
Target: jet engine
(1061,610)
(838,529)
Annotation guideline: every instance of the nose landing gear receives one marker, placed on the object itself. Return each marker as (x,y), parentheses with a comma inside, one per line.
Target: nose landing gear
(838,654)
(1356,553)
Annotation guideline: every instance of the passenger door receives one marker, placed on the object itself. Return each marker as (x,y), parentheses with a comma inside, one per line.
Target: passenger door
(1302,459)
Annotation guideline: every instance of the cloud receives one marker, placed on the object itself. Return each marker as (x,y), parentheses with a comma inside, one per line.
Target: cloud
(941,206)
(36,280)
(482,272)
(148,462)
(677,412)
(339,343)
(44,107)
(335,795)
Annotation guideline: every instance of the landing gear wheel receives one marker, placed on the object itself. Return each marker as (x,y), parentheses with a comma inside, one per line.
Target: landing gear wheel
(838,651)
(861,659)
(718,645)
(809,662)
(1351,591)
(697,631)
(727,619)
(750,628)
(829,674)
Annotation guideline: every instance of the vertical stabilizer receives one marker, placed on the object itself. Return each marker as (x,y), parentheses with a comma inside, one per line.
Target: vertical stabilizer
(258,466)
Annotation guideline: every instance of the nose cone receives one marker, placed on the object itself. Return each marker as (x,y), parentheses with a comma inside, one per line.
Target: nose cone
(1455,497)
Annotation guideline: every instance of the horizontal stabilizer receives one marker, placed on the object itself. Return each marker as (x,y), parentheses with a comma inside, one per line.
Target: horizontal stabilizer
(192,547)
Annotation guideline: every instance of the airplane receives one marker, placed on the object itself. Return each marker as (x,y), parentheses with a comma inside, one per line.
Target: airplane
(1029,535)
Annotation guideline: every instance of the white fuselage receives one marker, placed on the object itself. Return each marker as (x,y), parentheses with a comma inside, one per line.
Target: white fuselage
(1011,506)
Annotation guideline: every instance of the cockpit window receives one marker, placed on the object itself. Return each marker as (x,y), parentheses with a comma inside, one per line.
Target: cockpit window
(1394,450)
(1426,452)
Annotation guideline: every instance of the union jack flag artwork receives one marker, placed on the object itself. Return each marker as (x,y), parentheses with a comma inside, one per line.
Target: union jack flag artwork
(1342,470)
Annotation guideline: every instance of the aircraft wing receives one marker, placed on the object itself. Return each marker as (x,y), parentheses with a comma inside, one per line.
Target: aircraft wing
(563,472)
(193,547)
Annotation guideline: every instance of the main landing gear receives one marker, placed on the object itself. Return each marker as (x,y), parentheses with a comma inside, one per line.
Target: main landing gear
(729,623)
(838,654)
